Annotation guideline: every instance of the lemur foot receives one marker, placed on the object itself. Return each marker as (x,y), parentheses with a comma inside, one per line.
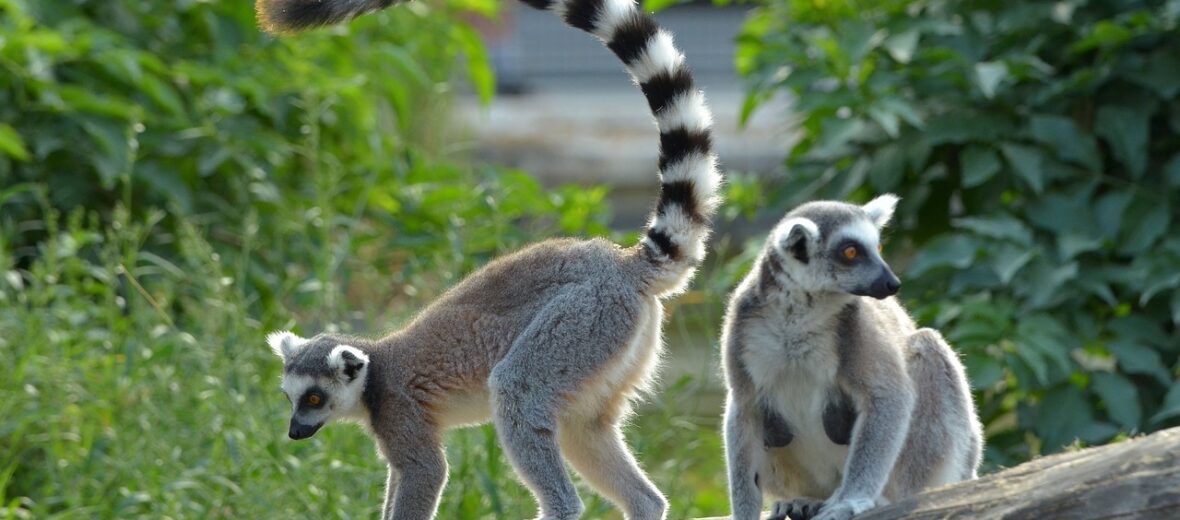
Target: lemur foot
(844,510)
(796,509)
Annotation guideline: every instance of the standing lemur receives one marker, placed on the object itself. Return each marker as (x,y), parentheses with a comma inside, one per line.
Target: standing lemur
(551,342)
(837,402)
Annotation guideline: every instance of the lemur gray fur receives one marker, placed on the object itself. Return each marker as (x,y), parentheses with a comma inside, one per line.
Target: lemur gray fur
(552,342)
(836,401)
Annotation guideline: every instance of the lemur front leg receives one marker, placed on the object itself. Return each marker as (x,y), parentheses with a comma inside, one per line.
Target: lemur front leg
(877,440)
(744,454)
(795,509)
(416,478)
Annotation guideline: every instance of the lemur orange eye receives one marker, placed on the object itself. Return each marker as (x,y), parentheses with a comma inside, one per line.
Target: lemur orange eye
(850,253)
(314,399)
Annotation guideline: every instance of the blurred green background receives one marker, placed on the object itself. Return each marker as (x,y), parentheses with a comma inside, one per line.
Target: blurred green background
(174,184)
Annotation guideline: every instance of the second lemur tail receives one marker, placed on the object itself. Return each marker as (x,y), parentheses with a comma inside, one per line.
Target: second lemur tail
(689,179)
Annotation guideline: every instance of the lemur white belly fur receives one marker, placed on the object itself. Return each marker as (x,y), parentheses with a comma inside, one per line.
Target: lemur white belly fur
(797,383)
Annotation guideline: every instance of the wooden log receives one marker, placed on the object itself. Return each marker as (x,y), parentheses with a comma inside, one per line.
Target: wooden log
(1137,478)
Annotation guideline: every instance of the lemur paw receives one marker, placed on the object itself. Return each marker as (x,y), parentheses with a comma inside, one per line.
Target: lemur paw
(796,509)
(844,510)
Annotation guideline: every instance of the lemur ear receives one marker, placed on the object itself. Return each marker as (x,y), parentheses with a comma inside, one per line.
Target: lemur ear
(880,209)
(284,343)
(793,236)
(347,361)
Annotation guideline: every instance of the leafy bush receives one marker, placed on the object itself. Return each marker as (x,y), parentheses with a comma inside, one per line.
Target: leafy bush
(1035,147)
(328,144)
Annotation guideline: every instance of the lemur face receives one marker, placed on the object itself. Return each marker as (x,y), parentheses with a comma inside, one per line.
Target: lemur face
(833,247)
(322,378)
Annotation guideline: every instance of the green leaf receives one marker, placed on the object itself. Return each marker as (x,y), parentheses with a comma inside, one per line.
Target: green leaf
(1176,307)
(1121,398)
(1042,281)
(112,142)
(1058,211)
(1099,288)
(1026,162)
(1125,130)
(887,168)
(1145,227)
(1109,212)
(655,6)
(984,370)
(1104,34)
(1171,406)
(1140,328)
(1007,259)
(888,120)
(1067,140)
(1137,358)
(901,46)
(955,251)
(984,127)
(1002,227)
(1172,171)
(1071,244)
(162,94)
(902,108)
(479,69)
(979,164)
(1047,336)
(1062,413)
(12,144)
(1160,72)
(988,75)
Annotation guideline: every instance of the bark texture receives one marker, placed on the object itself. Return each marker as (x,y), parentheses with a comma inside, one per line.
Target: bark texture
(1135,479)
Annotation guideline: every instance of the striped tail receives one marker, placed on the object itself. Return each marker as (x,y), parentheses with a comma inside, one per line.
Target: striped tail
(689,179)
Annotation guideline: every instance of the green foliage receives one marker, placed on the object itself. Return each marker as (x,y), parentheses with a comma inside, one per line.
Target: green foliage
(193,110)
(1034,145)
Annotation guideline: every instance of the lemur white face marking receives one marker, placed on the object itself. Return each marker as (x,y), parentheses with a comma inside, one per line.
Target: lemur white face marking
(322,380)
(834,248)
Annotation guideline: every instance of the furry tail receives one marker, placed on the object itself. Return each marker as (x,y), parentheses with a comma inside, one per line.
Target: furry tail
(288,16)
(689,179)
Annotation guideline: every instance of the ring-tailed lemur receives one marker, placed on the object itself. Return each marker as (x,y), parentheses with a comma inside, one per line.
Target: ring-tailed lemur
(551,342)
(837,401)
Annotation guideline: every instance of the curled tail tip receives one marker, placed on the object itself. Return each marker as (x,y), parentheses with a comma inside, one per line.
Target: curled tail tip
(272,17)
(282,17)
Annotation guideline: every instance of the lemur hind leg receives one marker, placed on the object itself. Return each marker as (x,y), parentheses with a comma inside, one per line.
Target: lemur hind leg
(565,345)
(598,453)
(591,436)
(937,450)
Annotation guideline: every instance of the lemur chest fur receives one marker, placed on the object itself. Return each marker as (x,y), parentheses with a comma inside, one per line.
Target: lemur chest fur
(795,363)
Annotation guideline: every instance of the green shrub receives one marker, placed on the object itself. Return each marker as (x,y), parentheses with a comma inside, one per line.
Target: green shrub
(1036,147)
(330,144)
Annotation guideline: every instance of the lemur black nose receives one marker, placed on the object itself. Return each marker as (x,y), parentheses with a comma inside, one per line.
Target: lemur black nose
(302,431)
(885,285)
